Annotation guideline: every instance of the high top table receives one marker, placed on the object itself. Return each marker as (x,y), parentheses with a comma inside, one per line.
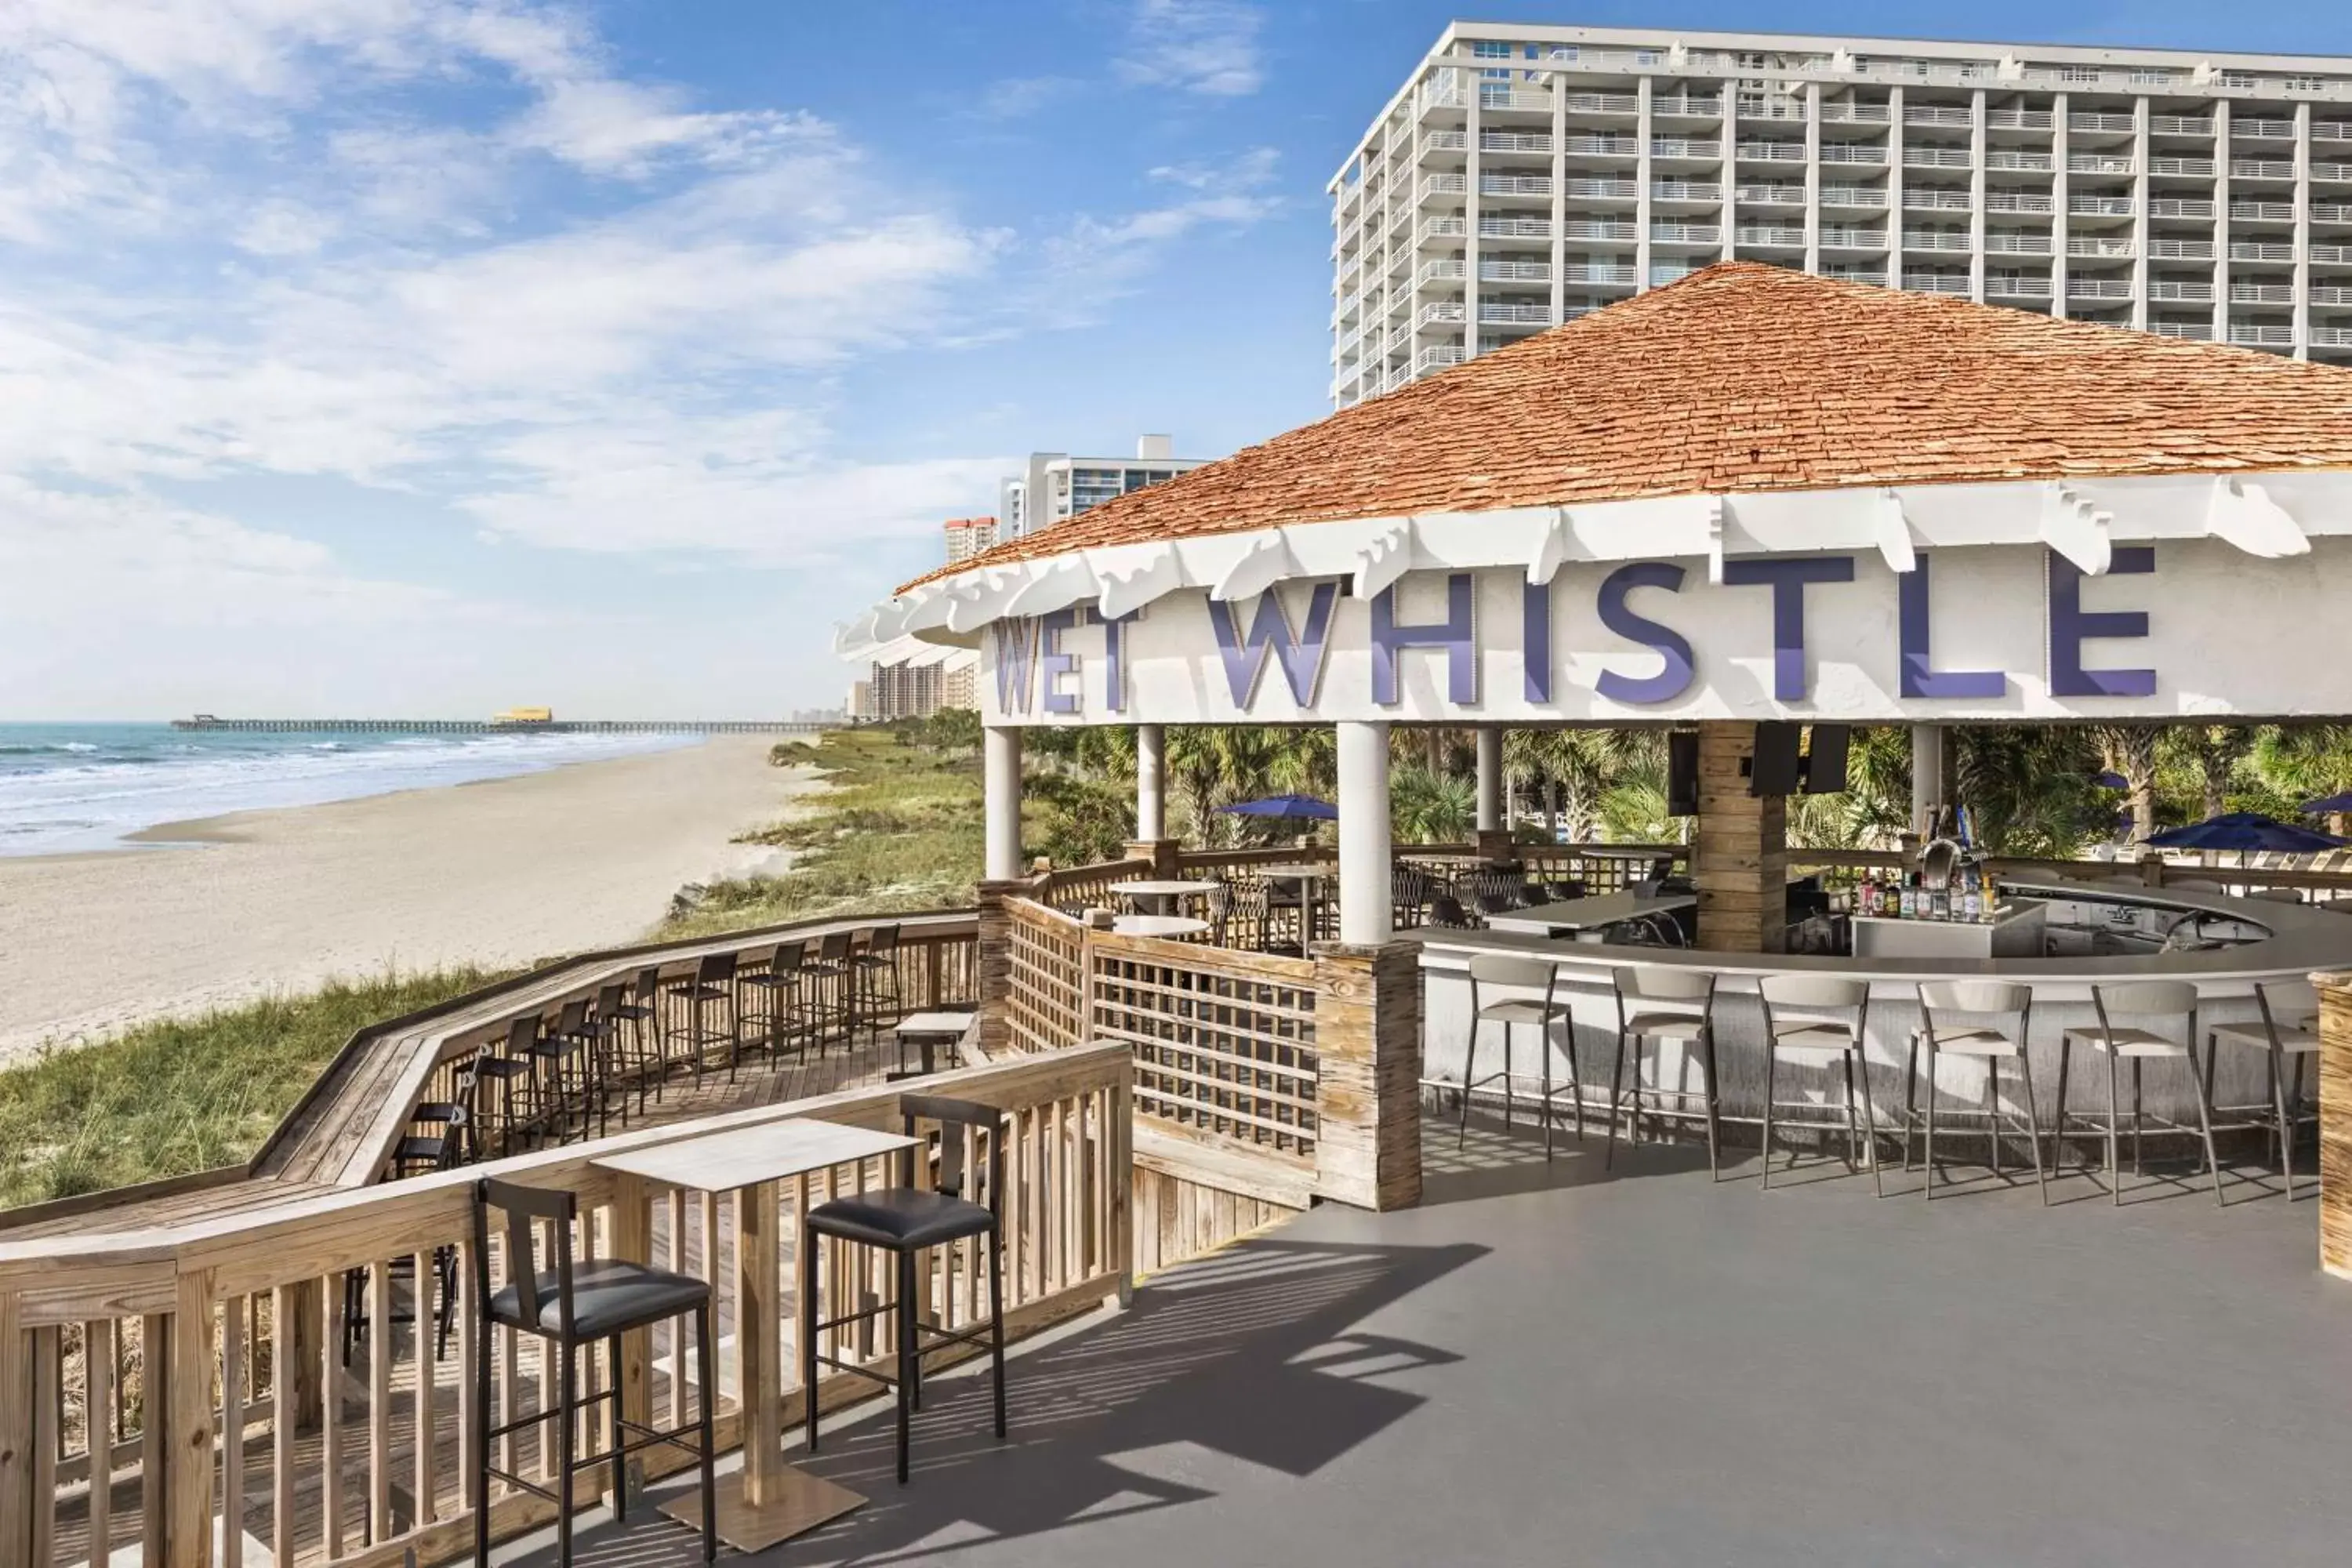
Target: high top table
(769,1501)
(1160,895)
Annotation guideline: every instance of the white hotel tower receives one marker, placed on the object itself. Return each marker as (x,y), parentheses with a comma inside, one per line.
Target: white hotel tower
(1526,174)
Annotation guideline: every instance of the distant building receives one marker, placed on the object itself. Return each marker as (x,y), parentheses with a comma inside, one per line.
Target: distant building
(1055,487)
(968,536)
(860,705)
(513,716)
(960,686)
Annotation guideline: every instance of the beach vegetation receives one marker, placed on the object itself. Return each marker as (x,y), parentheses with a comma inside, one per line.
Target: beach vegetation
(174,1097)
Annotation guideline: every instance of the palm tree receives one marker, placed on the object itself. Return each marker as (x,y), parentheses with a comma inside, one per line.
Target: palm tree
(2030,789)
(2129,751)
(1427,808)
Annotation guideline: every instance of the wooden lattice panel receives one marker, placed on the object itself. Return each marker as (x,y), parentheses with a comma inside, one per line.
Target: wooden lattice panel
(1225,1046)
(1044,1002)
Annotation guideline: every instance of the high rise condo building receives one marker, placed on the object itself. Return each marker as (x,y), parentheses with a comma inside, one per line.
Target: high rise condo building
(1524,175)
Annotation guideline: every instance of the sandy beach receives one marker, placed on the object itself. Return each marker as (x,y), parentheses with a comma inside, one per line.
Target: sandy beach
(496,873)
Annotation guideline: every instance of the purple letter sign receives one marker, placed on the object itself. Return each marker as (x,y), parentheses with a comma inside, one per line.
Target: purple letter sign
(1787,579)
(1675,677)
(1056,664)
(2071,624)
(1301,658)
(1456,634)
(1919,675)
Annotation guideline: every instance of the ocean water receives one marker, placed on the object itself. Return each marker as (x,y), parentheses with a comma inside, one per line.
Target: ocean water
(65,788)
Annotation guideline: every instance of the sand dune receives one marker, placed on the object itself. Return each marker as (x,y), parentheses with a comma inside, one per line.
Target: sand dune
(500,872)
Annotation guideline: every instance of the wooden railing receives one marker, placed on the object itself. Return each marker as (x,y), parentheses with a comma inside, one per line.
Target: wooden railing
(1225,1042)
(272,1385)
(1088,887)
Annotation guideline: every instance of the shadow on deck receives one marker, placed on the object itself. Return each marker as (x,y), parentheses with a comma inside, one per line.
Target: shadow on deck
(1548,1363)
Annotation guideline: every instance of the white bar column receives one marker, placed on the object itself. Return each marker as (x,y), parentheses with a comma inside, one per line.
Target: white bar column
(1927,776)
(1150,781)
(1490,778)
(1365,915)
(1000,779)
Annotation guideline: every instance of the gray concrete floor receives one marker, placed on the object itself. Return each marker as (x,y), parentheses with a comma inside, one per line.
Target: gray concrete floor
(1547,1364)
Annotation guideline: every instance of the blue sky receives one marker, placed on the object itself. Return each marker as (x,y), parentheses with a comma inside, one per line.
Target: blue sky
(431,356)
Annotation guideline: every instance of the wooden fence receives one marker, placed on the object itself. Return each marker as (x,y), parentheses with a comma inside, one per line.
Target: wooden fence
(273,1385)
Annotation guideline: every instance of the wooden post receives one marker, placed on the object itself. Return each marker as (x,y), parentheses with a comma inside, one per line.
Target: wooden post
(16,1428)
(1160,852)
(633,1242)
(992,964)
(155,1432)
(759,1310)
(1741,858)
(2335,1125)
(1368,1093)
(187,1445)
(303,1334)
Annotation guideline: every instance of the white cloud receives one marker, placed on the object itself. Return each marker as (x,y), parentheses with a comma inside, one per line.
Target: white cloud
(1100,258)
(1208,46)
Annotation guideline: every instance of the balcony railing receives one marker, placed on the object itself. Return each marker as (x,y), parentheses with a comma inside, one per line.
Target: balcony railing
(1443,185)
(1938,158)
(1874,276)
(2261,130)
(2261,293)
(1442,270)
(1605,103)
(2194,331)
(1514,142)
(1938,114)
(1852,154)
(2260,169)
(2331,173)
(2019,119)
(1587,190)
(2331,130)
(2016,286)
(1499,314)
(2018,244)
(1445,141)
(2181,124)
(1780,236)
(2330,294)
(2180,290)
(1857,113)
(1514,271)
(2251,334)
(2094,246)
(1430,228)
(2080,287)
(1491,228)
(1838,237)
(1514,184)
(1439,313)
(2180,207)
(1607,145)
(2184,168)
(1854,196)
(2331,212)
(1686,148)
(1688,108)
(1935,283)
(1608,273)
(2098,164)
(2015,201)
(2260,251)
(1772,196)
(1687,233)
(2332,255)
(1684,190)
(2099,207)
(2331,337)
(1935,239)
(1437,356)
(1940,201)
(1772,151)
(2096,122)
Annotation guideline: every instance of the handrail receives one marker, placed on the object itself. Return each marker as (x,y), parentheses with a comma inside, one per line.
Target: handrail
(166,1365)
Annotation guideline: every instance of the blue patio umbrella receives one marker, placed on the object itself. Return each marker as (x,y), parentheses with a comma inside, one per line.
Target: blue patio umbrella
(1295,807)
(2328,805)
(2111,781)
(2245,832)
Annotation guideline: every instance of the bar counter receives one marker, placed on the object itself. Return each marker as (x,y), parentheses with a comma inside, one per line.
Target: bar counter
(2291,942)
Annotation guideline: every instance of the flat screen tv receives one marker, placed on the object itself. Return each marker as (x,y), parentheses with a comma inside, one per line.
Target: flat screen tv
(1681,773)
(1778,760)
(1825,760)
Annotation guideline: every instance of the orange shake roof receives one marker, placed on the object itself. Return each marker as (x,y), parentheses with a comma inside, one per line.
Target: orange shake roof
(1743,378)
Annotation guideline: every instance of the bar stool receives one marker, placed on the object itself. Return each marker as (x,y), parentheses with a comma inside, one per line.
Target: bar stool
(2287,1032)
(906,1222)
(1976,999)
(640,1016)
(870,968)
(582,1303)
(1657,1002)
(778,984)
(1492,970)
(2148,1000)
(516,1066)
(832,1001)
(1797,1024)
(713,983)
(562,1049)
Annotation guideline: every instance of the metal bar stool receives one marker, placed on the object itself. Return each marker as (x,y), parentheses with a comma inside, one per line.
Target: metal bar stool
(833,998)
(645,1035)
(1502,970)
(870,968)
(1655,1004)
(713,983)
(777,984)
(562,1049)
(1797,1022)
(515,1066)
(906,1222)
(1989,999)
(600,1298)
(2151,1001)
(2287,1032)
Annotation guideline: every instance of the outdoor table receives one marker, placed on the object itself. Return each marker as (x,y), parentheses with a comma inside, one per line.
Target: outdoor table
(1159,896)
(1310,880)
(769,1501)
(1158,925)
(929,1031)
(1577,916)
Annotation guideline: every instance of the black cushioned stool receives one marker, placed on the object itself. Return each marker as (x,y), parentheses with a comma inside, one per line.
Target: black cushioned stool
(577,1305)
(906,1222)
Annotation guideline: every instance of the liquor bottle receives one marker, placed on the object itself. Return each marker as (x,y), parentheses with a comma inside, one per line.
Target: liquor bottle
(1972,895)
(1910,907)
(1865,897)
(1991,897)
(1939,904)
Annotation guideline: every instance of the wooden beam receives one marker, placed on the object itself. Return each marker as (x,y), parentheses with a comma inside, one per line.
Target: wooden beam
(2335,1125)
(187,1514)
(1740,853)
(1368,1089)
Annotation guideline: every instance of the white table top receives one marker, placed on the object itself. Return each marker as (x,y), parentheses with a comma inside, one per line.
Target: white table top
(1588,914)
(933,1023)
(748,1156)
(1302,872)
(1158,925)
(1165,889)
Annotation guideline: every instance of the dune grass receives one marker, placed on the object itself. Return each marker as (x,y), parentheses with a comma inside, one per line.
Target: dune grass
(897,827)
(168,1099)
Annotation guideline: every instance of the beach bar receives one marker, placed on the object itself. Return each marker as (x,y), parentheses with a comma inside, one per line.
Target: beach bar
(1748,502)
